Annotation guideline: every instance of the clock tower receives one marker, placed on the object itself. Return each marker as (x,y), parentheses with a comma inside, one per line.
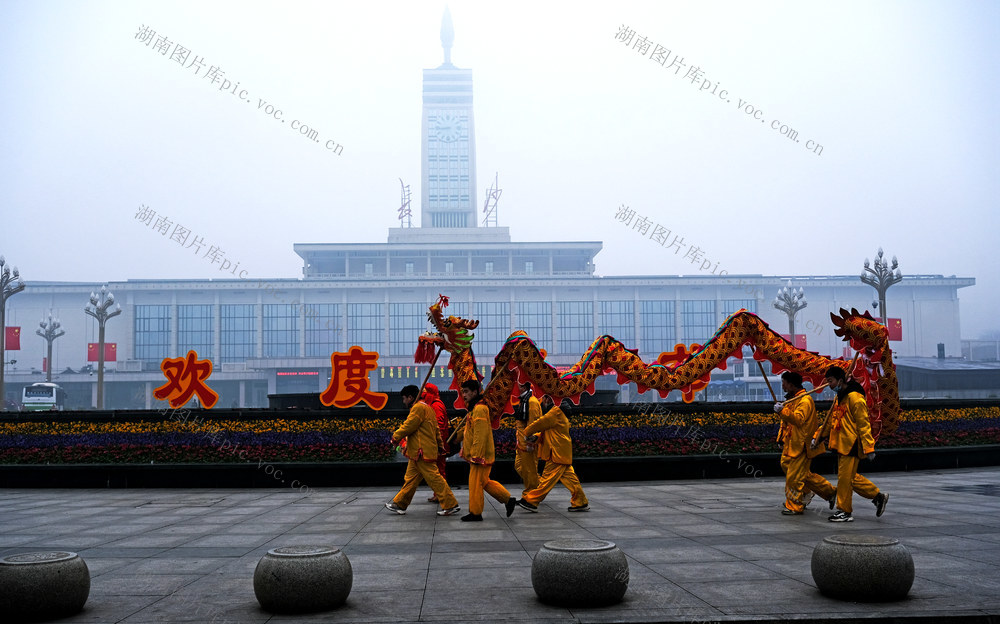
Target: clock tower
(448,150)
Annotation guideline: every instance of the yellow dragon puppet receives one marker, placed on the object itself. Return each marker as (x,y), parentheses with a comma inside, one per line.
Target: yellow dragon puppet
(681,369)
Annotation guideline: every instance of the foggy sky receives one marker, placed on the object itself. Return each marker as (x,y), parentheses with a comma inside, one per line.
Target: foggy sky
(901,95)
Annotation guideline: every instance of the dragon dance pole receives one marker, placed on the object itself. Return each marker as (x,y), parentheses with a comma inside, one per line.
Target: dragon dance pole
(420,392)
(769,389)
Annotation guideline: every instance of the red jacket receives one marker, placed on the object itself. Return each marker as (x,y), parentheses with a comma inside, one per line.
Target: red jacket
(432,397)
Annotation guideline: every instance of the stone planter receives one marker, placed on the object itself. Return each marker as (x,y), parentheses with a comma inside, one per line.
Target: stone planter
(580,573)
(862,568)
(42,585)
(302,579)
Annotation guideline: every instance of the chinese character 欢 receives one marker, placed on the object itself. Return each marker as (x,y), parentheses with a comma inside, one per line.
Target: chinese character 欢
(349,381)
(186,377)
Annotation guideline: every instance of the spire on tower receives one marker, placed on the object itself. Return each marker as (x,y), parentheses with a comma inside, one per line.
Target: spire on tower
(447,35)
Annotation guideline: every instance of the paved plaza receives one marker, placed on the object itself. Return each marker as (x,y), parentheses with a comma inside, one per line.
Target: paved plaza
(700,550)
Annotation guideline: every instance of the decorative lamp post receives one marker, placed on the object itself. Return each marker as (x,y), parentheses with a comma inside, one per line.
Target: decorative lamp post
(881,278)
(790,301)
(10,285)
(101,303)
(50,330)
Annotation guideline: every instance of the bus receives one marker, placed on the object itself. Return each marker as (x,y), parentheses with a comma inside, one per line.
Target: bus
(43,396)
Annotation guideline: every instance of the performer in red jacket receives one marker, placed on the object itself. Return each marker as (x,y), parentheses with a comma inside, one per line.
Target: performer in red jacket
(432,397)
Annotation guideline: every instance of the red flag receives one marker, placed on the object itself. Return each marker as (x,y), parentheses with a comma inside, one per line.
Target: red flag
(110,351)
(895,327)
(800,341)
(13,339)
(45,364)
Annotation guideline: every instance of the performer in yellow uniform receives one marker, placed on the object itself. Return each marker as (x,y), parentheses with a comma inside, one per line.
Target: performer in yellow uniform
(850,433)
(477,449)
(798,424)
(423,444)
(526,455)
(556,448)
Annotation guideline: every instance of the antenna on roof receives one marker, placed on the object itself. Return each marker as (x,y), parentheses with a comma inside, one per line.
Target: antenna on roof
(404,205)
(492,197)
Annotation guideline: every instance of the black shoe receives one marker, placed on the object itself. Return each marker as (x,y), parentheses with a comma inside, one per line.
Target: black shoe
(833,501)
(583,507)
(510,505)
(785,511)
(523,504)
(472,517)
(841,516)
(881,499)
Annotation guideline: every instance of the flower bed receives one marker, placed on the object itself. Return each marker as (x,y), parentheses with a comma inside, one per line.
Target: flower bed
(187,440)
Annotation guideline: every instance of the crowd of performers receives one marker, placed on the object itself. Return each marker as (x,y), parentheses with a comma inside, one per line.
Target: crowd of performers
(542,431)
(847,431)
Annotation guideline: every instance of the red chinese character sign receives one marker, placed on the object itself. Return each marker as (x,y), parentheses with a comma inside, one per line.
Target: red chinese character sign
(349,381)
(186,377)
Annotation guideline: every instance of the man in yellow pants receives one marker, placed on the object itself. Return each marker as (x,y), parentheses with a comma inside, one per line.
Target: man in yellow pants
(526,455)
(798,424)
(850,433)
(556,448)
(477,449)
(423,443)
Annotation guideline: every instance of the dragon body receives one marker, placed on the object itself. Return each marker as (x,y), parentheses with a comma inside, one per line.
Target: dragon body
(685,369)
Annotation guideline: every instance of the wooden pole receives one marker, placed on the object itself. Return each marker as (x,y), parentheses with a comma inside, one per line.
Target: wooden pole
(769,389)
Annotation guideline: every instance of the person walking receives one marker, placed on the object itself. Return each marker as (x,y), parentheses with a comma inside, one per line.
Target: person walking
(526,453)
(478,450)
(556,449)
(849,432)
(798,424)
(423,445)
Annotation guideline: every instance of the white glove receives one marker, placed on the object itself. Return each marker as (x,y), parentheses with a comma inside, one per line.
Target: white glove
(778,407)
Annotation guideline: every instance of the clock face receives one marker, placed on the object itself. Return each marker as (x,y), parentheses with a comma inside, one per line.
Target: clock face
(448,127)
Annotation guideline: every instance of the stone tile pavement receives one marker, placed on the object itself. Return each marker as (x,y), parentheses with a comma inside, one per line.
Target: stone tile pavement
(706,550)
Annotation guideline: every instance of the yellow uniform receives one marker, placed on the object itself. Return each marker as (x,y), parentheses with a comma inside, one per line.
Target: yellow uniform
(798,425)
(525,460)
(556,449)
(423,439)
(477,449)
(850,434)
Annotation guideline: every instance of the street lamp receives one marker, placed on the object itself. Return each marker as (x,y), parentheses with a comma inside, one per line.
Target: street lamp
(10,285)
(50,330)
(790,301)
(101,303)
(881,278)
